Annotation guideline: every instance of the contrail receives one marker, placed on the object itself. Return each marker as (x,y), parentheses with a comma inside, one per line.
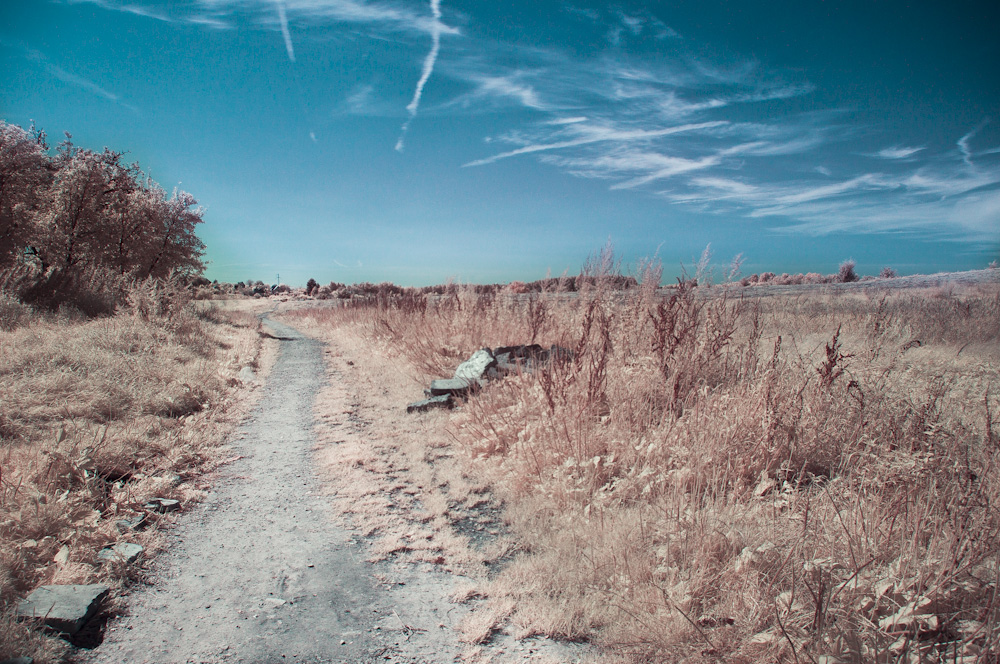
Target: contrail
(284,29)
(426,73)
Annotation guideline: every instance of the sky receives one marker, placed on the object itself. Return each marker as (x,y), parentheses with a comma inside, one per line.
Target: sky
(419,141)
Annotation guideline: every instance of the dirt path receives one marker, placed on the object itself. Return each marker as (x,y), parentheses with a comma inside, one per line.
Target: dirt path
(265,570)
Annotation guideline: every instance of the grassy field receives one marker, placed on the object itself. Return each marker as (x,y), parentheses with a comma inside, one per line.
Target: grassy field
(718,476)
(98,416)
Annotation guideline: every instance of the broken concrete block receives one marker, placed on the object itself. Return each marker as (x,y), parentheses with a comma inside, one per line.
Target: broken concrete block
(457,386)
(475,367)
(63,607)
(120,552)
(442,401)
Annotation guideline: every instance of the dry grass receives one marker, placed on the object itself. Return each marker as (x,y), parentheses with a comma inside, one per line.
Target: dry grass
(97,417)
(808,478)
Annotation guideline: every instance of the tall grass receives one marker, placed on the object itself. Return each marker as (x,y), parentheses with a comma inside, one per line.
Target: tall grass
(97,416)
(718,478)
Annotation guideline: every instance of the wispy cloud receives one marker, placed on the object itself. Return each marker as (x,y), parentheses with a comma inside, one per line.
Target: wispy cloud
(283,19)
(586,133)
(67,76)
(425,73)
(963,144)
(897,152)
(718,135)
(509,86)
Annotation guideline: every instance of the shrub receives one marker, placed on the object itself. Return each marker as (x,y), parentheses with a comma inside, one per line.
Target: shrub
(312,286)
(846,273)
(888,273)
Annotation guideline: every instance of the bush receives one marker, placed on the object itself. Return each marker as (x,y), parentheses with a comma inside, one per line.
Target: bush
(312,286)
(846,273)
(888,273)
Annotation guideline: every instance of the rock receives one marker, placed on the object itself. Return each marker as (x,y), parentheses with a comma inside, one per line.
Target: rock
(135,523)
(456,386)
(18,660)
(174,479)
(475,367)
(64,607)
(511,359)
(247,375)
(120,552)
(162,505)
(442,401)
(560,354)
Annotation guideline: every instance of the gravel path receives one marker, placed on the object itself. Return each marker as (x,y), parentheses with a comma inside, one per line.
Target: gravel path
(258,573)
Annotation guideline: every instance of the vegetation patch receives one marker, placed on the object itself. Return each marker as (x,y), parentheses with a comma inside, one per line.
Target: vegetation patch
(716,476)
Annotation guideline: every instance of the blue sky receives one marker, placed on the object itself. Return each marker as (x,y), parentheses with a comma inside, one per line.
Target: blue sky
(416,141)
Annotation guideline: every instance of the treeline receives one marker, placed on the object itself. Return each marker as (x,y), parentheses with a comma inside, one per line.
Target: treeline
(79,226)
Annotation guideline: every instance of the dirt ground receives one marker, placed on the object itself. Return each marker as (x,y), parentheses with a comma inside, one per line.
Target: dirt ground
(322,541)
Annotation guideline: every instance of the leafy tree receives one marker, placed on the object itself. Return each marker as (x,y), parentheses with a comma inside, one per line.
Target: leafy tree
(25,174)
(80,214)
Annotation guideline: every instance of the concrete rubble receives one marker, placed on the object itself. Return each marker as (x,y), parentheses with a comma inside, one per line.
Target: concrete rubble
(64,608)
(486,365)
(120,552)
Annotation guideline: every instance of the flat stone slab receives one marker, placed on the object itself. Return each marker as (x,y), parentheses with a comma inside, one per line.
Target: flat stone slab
(441,401)
(63,607)
(123,552)
(457,386)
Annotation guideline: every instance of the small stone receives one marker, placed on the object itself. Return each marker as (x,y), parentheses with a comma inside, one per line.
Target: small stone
(18,660)
(63,607)
(135,523)
(174,479)
(121,552)
(247,375)
(163,505)
(63,556)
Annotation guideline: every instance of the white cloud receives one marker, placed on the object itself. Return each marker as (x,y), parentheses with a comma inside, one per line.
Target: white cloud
(963,144)
(283,19)
(897,152)
(69,77)
(425,72)
(590,133)
(510,87)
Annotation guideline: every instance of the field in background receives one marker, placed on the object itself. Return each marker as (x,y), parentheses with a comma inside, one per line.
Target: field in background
(717,476)
(98,416)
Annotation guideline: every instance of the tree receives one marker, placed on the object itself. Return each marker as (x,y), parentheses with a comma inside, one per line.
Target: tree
(81,214)
(25,174)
